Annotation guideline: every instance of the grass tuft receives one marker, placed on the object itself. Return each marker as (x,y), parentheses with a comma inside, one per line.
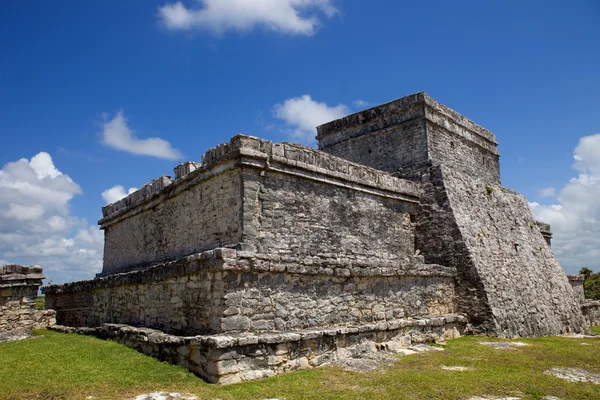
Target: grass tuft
(40,303)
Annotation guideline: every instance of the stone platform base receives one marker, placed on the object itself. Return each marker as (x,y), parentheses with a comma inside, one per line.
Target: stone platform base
(232,358)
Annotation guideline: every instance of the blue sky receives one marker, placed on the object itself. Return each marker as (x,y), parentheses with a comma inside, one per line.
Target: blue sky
(89,83)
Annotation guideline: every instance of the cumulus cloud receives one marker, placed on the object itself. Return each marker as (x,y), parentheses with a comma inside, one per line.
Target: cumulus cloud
(548,192)
(36,226)
(116,134)
(292,17)
(116,193)
(303,114)
(575,219)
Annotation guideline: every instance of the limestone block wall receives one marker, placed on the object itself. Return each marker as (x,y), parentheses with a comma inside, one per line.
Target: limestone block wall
(225,290)
(18,293)
(508,282)
(292,215)
(322,292)
(253,194)
(203,216)
(300,201)
(473,157)
(409,134)
(589,308)
(591,311)
(576,282)
(504,261)
(175,297)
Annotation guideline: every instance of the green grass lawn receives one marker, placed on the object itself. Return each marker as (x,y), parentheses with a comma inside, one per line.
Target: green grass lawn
(68,366)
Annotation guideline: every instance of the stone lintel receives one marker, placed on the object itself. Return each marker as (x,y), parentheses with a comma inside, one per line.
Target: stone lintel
(247,151)
(405,109)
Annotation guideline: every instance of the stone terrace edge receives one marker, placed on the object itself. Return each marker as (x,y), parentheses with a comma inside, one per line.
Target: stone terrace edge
(226,259)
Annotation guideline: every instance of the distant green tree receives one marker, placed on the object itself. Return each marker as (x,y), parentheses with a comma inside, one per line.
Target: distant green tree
(591,284)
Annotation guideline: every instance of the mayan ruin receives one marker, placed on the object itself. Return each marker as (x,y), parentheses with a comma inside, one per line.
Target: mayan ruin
(263,258)
(18,293)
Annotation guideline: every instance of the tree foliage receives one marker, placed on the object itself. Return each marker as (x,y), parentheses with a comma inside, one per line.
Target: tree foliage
(591,284)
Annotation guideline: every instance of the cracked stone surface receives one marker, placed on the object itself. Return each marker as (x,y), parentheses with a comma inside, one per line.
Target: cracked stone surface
(504,345)
(574,375)
(366,362)
(510,398)
(165,396)
(371,361)
(455,368)
(494,398)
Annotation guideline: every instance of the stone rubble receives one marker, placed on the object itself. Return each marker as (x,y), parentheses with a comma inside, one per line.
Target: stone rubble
(367,357)
(455,368)
(504,345)
(574,375)
(165,396)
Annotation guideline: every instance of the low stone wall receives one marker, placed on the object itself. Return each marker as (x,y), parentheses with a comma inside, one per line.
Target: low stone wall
(591,311)
(241,357)
(576,282)
(44,319)
(18,293)
(225,290)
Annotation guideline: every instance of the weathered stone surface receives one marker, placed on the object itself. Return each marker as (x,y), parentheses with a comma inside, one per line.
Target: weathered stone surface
(276,257)
(574,375)
(233,358)
(280,198)
(591,311)
(173,224)
(589,308)
(18,293)
(223,290)
(509,282)
(410,134)
(576,282)
(518,288)
(504,345)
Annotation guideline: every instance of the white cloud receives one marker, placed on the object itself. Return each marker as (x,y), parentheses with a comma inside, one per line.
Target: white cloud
(587,155)
(36,226)
(360,103)
(575,219)
(303,114)
(292,17)
(116,193)
(116,134)
(548,192)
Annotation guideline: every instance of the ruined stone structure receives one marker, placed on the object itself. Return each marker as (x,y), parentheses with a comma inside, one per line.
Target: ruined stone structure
(265,257)
(589,308)
(18,293)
